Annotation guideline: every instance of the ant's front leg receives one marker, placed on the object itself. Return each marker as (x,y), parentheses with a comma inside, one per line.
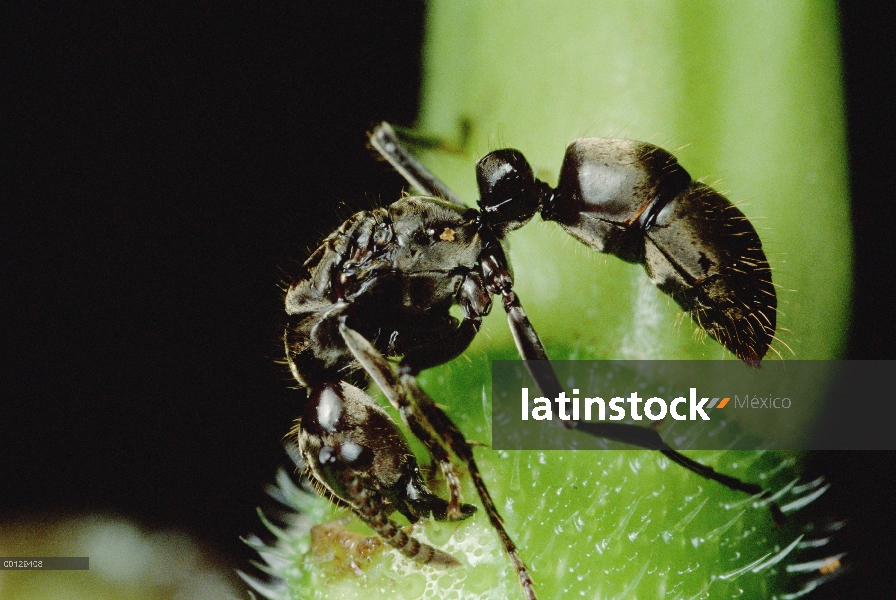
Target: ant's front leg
(356,455)
(370,507)
(423,415)
(379,369)
(452,435)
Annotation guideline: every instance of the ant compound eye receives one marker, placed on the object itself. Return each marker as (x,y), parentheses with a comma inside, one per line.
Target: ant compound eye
(350,451)
(507,187)
(356,455)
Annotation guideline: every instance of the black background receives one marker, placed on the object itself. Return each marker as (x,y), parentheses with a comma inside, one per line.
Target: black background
(170,167)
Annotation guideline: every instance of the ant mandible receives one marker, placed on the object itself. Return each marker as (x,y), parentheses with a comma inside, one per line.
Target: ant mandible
(381,286)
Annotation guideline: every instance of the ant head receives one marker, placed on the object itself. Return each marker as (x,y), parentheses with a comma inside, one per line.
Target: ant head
(509,194)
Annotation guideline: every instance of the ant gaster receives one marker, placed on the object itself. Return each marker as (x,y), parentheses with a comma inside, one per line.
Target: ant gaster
(381,286)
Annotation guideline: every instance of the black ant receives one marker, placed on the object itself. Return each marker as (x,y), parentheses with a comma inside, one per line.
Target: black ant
(381,286)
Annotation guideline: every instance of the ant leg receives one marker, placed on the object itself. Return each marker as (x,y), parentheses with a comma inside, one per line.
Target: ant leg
(537,363)
(459,445)
(355,454)
(431,425)
(434,142)
(384,141)
(379,369)
(372,511)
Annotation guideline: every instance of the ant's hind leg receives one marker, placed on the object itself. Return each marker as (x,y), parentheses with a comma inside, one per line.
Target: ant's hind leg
(384,141)
(532,352)
(380,370)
